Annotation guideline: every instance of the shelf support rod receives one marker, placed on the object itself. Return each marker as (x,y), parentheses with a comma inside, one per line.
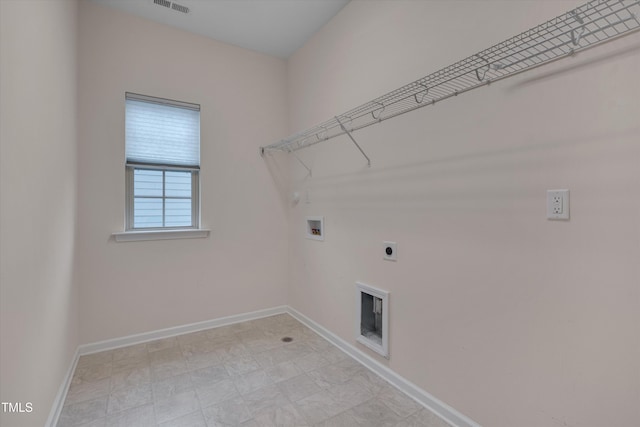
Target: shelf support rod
(354,141)
(302,163)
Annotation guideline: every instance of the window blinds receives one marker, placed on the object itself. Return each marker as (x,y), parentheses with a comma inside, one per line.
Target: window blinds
(162,132)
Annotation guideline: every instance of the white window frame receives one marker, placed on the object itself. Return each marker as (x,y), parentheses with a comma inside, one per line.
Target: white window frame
(130,202)
(132,233)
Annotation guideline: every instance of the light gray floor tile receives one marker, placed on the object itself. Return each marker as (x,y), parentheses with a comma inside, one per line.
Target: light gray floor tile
(311,362)
(423,418)
(92,373)
(284,353)
(209,375)
(131,378)
(130,351)
(317,343)
(269,358)
(212,394)
(100,358)
(241,365)
(345,419)
(299,387)
(142,416)
(194,419)
(398,402)
(335,355)
(352,393)
(332,375)
(138,361)
(170,354)
(128,398)
(82,391)
(102,422)
(197,347)
(349,364)
(83,412)
(297,349)
(176,406)
(241,326)
(202,360)
(231,412)
(266,397)
(263,344)
(372,382)
(373,413)
(169,387)
(283,371)
(223,331)
(320,406)
(249,335)
(252,381)
(163,370)
(280,416)
(231,350)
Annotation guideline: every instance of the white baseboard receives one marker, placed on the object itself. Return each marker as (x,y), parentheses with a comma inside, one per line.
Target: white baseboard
(441,409)
(58,402)
(177,330)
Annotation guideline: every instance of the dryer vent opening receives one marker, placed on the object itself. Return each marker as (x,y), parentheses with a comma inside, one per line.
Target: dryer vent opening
(373,318)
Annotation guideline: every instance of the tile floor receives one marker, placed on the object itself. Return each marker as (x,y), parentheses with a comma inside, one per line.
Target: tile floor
(237,375)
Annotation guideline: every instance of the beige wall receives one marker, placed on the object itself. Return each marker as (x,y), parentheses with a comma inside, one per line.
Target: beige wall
(129,288)
(38,298)
(512,319)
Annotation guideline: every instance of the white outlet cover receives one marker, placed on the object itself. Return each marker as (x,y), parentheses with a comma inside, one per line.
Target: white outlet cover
(390,247)
(557,204)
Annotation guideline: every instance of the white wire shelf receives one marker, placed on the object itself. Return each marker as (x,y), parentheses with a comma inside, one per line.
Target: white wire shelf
(589,25)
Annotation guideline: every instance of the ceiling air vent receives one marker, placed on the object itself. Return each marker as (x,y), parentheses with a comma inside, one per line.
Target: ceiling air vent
(164,3)
(180,8)
(175,6)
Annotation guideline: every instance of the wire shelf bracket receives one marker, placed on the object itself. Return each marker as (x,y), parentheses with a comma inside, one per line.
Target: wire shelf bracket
(587,26)
(303,164)
(354,141)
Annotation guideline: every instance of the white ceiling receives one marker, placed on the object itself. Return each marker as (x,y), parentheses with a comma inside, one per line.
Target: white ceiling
(274,27)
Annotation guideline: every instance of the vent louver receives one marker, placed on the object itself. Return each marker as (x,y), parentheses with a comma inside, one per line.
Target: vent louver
(175,6)
(180,8)
(164,3)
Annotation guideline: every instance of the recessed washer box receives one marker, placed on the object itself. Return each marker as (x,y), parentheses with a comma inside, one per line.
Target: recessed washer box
(315,227)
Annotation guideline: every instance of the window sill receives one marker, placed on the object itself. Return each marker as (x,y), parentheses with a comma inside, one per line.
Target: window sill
(135,236)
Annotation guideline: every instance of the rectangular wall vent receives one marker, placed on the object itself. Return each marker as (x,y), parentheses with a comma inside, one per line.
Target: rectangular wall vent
(165,3)
(180,8)
(175,6)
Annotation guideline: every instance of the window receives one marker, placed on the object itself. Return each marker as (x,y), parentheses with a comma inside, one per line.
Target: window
(163,163)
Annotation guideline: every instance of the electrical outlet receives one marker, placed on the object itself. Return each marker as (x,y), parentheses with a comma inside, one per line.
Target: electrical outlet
(558,204)
(390,251)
